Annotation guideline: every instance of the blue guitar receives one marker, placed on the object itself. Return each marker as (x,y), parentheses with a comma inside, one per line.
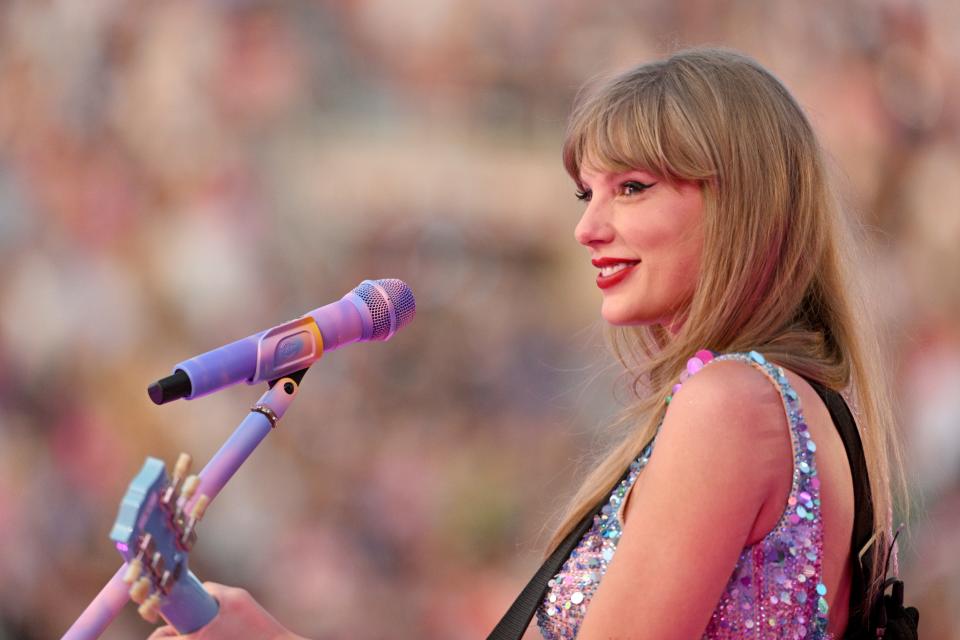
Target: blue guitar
(154,535)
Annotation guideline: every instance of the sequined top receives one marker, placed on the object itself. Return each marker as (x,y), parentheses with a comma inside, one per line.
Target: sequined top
(776,588)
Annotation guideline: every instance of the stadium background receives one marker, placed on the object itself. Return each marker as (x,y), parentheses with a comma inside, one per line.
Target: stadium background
(174,175)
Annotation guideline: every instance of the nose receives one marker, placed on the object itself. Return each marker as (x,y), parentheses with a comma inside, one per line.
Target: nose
(594,228)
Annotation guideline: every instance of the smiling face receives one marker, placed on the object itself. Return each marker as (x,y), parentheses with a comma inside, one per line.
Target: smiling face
(645,235)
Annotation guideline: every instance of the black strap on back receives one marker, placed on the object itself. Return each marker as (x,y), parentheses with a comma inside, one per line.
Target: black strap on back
(863,504)
(517,618)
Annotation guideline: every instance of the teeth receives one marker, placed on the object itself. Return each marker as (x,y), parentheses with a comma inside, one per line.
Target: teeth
(612,269)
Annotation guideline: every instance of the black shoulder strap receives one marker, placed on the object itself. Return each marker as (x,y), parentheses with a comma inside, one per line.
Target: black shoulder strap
(862,500)
(517,618)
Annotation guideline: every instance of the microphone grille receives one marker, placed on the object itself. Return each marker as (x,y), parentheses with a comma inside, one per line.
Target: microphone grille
(399,301)
(402,298)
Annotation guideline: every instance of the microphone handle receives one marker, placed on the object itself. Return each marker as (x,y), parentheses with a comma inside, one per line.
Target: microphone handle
(270,354)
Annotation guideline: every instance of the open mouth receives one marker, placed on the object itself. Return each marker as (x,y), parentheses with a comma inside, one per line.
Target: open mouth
(608,271)
(613,272)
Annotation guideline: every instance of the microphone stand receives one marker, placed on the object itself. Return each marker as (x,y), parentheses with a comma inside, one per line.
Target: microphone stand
(263,417)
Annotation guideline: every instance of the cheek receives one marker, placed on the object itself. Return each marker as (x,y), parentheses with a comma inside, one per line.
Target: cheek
(688,266)
(672,251)
(655,236)
(688,248)
(669,244)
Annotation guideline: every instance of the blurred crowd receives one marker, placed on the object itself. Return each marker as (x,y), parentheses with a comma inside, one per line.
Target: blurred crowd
(179,174)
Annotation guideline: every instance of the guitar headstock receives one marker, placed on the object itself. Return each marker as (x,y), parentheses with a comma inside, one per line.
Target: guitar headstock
(154,535)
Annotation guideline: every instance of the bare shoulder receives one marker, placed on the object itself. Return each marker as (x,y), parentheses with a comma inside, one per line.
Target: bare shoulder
(714,469)
(728,400)
(726,429)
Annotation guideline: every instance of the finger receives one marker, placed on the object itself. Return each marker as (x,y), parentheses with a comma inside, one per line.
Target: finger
(215,588)
(163,632)
(223,593)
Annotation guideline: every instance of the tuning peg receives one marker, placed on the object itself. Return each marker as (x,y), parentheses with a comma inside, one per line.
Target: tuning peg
(182,467)
(171,494)
(156,564)
(166,581)
(200,507)
(140,590)
(147,545)
(190,486)
(188,536)
(134,569)
(150,609)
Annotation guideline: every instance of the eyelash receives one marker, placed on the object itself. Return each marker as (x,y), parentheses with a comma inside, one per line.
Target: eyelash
(584,195)
(635,184)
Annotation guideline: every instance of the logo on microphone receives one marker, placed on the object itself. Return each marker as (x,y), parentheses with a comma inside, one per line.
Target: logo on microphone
(289,347)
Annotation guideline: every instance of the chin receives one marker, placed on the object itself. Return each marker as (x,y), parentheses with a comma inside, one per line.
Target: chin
(628,318)
(619,316)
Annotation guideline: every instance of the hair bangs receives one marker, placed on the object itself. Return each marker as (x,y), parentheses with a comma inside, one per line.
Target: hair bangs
(629,126)
(617,133)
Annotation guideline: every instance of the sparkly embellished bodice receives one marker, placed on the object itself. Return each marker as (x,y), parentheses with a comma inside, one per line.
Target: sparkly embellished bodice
(775,590)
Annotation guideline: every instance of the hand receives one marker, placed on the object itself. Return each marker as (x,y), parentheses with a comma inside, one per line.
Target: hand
(240,616)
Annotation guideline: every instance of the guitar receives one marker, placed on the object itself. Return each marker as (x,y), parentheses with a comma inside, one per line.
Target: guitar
(154,533)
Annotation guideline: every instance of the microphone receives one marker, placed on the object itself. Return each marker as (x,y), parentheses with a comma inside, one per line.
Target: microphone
(374,310)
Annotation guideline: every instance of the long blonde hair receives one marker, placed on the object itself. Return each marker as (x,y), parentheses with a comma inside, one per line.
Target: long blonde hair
(776,269)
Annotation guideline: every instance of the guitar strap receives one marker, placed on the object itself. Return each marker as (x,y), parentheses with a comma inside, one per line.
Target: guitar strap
(862,500)
(517,618)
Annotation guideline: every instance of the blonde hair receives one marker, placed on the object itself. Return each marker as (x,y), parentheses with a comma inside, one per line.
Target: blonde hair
(775,273)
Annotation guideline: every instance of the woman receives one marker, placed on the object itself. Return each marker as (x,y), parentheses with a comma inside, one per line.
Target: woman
(730,503)
(709,216)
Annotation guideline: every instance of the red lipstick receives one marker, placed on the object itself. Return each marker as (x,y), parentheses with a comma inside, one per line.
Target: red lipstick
(605,282)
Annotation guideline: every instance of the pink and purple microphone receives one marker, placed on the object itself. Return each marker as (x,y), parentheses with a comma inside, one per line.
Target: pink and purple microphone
(374,310)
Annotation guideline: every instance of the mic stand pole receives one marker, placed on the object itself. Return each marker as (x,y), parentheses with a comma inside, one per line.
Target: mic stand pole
(263,417)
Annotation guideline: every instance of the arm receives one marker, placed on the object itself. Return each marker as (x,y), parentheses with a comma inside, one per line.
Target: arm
(723,452)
